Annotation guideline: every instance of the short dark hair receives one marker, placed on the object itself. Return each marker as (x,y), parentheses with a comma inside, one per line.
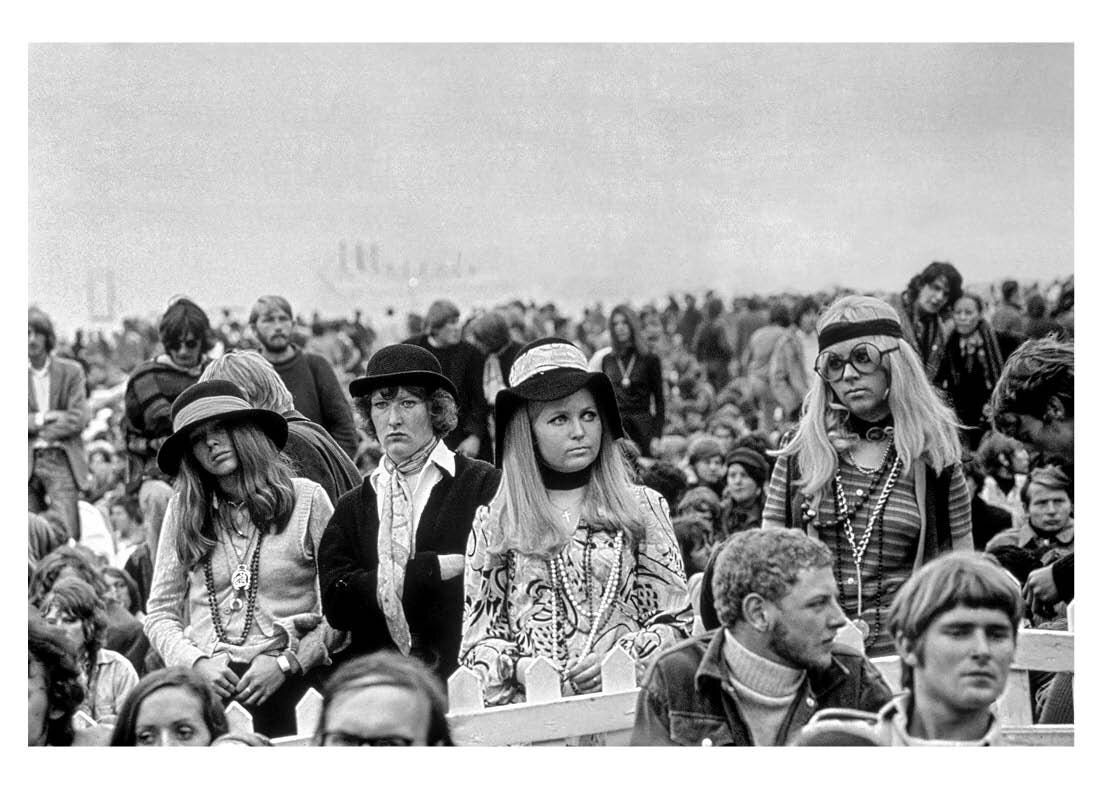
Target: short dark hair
(213,714)
(1035,306)
(443,411)
(1049,477)
(184,317)
(1034,373)
(40,322)
(779,315)
(49,646)
(440,313)
(766,562)
(969,579)
(802,307)
(390,669)
(1009,289)
(491,330)
(667,479)
(266,303)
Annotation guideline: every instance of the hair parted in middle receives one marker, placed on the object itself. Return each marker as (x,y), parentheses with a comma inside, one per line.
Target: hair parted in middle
(265,482)
(635,341)
(521,516)
(75,598)
(925,426)
(125,733)
(255,376)
(765,562)
(443,411)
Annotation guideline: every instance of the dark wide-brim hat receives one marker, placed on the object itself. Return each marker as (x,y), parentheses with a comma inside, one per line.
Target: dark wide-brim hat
(546,370)
(214,400)
(402,364)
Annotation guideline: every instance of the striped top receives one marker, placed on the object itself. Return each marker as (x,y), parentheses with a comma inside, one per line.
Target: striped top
(895,558)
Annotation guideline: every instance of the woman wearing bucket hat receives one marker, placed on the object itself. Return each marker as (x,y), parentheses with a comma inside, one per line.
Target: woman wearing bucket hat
(744,493)
(235,587)
(873,468)
(569,559)
(391,562)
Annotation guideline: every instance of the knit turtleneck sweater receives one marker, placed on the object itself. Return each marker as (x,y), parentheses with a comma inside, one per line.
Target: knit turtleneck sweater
(765,690)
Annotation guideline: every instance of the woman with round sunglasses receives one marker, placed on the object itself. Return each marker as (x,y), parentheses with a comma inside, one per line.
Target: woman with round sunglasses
(873,467)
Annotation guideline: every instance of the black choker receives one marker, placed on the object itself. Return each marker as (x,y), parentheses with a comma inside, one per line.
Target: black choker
(555,479)
(873,431)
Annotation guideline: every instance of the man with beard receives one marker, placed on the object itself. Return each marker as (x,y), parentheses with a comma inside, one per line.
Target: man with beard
(310,378)
(757,679)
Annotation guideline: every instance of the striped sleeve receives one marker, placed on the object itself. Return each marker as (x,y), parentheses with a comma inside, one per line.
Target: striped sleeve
(960,511)
(773,513)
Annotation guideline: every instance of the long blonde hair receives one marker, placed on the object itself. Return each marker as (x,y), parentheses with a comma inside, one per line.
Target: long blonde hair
(522,518)
(925,426)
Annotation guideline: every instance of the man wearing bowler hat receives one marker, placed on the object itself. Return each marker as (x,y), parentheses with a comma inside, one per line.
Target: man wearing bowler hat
(391,560)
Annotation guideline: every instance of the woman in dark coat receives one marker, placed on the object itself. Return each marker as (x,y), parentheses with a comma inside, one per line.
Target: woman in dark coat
(636,379)
(973,360)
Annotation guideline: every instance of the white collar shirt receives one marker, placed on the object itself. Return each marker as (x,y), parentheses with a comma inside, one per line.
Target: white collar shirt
(440,461)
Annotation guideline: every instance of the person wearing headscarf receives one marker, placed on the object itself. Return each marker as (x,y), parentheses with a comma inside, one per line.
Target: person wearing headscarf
(571,558)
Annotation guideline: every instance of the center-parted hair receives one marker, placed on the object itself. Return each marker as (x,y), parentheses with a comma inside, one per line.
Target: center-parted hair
(75,598)
(765,562)
(969,579)
(125,733)
(925,426)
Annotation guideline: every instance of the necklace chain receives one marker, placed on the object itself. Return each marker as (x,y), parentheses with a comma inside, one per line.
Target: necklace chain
(250,605)
(846,518)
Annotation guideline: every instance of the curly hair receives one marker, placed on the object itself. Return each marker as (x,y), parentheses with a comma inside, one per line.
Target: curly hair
(49,646)
(1037,371)
(930,274)
(443,411)
(765,562)
(213,714)
(48,570)
(75,598)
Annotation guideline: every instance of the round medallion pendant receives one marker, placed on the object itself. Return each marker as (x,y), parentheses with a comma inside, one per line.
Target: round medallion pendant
(863,627)
(625,383)
(241,578)
(236,604)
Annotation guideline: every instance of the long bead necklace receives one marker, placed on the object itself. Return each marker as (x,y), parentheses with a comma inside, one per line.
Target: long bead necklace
(845,518)
(560,589)
(250,606)
(625,374)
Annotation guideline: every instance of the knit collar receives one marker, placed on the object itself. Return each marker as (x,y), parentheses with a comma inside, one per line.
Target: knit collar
(758,674)
(897,713)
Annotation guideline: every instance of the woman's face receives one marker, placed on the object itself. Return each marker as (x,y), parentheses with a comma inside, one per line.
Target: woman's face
(621,330)
(117,590)
(865,394)
(725,436)
(568,431)
(213,450)
(403,424)
(69,624)
(121,522)
(709,470)
(171,716)
(966,315)
(740,486)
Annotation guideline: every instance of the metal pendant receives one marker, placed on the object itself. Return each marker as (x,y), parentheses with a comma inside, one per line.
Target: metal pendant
(625,382)
(863,627)
(241,578)
(236,604)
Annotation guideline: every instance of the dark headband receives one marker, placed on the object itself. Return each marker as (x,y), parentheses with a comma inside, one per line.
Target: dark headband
(841,331)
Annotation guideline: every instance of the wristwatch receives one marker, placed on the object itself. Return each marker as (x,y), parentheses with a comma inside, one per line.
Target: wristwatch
(284,663)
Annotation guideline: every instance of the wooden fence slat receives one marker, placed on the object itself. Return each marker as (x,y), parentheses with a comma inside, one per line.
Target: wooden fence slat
(82,721)
(529,722)
(464,690)
(1047,651)
(617,671)
(308,712)
(1039,735)
(1016,706)
(542,682)
(889,667)
(239,719)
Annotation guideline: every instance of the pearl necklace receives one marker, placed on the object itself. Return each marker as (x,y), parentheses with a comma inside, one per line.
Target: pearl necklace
(560,587)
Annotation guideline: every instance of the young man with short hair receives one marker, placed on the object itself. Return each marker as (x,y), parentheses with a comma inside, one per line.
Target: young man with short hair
(955,624)
(758,679)
(1048,534)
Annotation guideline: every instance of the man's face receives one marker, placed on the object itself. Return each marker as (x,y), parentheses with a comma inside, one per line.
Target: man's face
(1049,509)
(962,661)
(36,344)
(377,715)
(709,470)
(805,620)
(186,352)
(1052,436)
(273,330)
(932,296)
(448,334)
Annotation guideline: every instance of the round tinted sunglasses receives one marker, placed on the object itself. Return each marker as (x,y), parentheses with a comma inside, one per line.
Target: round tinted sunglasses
(864,357)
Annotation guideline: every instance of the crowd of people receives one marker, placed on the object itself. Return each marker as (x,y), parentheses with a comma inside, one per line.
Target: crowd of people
(751,498)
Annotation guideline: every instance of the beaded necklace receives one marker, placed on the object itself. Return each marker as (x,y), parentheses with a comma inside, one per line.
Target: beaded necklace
(252,587)
(560,587)
(844,520)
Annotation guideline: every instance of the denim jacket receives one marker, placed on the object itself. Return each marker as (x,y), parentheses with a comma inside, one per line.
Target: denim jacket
(686,698)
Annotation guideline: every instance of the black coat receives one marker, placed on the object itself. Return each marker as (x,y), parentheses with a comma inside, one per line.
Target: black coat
(348,562)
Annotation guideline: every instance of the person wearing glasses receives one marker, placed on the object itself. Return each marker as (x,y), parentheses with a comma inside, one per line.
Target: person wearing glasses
(873,469)
(385,699)
(153,386)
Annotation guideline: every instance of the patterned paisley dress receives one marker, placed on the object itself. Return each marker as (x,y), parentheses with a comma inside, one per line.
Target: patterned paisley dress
(509,600)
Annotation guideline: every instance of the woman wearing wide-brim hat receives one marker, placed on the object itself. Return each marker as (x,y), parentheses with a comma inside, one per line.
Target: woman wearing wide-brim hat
(235,587)
(391,562)
(571,558)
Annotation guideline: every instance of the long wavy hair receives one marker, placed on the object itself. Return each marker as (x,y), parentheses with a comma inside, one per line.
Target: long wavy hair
(264,476)
(925,427)
(75,598)
(634,342)
(522,518)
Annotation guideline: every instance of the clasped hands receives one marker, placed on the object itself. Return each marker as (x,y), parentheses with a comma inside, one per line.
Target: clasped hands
(260,681)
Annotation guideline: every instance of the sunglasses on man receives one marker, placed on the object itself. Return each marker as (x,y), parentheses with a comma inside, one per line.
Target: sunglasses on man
(863,357)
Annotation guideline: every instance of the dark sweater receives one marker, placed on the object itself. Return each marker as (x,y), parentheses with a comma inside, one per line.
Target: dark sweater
(348,562)
(462,364)
(318,396)
(317,456)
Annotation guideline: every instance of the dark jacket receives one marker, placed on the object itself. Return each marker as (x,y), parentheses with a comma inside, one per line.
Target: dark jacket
(686,699)
(317,456)
(463,364)
(318,396)
(348,562)
(150,391)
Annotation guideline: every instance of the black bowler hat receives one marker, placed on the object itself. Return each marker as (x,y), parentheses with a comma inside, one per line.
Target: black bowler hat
(546,370)
(402,364)
(213,400)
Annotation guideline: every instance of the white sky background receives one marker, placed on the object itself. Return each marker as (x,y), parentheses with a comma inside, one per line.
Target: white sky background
(567,171)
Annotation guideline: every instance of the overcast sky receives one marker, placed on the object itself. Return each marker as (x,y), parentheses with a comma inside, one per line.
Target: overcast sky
(565,171)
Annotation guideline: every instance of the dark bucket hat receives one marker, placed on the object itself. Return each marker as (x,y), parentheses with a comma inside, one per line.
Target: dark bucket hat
(402,364)
(546,370)
(214,400)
